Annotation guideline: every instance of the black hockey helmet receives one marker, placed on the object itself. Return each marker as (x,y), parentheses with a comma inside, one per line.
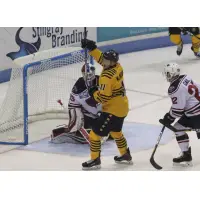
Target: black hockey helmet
(111,55)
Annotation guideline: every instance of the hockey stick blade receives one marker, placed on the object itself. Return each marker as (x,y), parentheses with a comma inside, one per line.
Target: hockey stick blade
(152,160)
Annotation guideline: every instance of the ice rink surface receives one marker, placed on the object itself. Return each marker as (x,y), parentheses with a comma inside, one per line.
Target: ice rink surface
(147,92)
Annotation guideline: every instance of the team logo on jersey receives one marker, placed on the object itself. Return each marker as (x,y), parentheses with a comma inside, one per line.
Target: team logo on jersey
(171,89)
(185,82)
(25,47)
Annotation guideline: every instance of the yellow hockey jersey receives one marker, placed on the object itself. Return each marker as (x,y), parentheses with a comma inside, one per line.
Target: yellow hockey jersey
(111,93)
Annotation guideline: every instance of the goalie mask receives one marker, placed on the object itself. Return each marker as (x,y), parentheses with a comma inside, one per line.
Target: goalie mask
(90,74)
(171,71)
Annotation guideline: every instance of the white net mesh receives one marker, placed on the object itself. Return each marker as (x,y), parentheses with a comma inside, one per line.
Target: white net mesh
(48,81)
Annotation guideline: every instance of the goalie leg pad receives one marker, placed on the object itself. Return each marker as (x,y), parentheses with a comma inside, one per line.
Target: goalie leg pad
(77,137)
(59,136)
(76,119)
(58,131)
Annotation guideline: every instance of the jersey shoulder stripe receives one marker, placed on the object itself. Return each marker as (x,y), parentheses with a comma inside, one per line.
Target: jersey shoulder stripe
(174,86)
(108,73)
(118,89)
(113,71)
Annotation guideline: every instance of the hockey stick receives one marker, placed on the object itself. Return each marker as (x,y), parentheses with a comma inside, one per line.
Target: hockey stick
(86,64)
(87,67)
(152,160)
(82,130)
(172,128)
(85,50)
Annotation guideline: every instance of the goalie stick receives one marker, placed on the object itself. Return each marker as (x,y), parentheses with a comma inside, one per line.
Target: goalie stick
(152,160)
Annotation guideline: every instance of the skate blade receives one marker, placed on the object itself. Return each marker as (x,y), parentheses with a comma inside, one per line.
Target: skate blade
(183,164)
(91,168)
(125,162)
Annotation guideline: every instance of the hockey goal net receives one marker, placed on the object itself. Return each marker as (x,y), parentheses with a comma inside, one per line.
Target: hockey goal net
(34,89)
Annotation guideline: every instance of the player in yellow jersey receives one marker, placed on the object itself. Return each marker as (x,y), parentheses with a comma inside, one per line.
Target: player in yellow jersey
(175,37)
(112,95)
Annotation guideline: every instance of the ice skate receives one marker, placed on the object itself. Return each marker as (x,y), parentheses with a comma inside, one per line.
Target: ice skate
(184,160)
(92,164)
(124,159)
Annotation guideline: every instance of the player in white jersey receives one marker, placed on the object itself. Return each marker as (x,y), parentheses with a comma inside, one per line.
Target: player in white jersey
(185,96)
(82,111)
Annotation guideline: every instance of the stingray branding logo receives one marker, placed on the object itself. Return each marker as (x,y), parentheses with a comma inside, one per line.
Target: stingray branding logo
(59,36)
(25,47)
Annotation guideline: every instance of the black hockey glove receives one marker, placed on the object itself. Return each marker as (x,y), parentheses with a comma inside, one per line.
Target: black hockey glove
(89,44)
(168,119)
(92,90)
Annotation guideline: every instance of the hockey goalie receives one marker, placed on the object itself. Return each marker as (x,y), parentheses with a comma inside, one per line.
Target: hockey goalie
(82,109)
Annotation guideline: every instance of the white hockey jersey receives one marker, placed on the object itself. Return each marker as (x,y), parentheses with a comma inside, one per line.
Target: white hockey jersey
(185,96)
(80,98)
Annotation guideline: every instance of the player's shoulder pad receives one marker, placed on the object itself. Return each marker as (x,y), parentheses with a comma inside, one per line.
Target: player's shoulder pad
(175,85)
(79,86)
(109,73)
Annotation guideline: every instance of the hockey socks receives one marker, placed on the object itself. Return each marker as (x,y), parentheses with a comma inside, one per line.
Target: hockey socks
(183,142)
(95,145)
(120,141)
